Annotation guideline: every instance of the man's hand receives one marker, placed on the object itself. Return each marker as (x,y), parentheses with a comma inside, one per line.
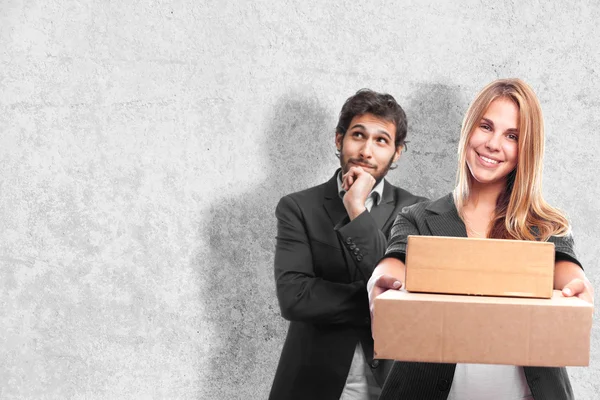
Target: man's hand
(358,183)
(379,284)
(581,288)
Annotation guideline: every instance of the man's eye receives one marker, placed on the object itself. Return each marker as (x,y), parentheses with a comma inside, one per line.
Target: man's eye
(357,134)
(382,140)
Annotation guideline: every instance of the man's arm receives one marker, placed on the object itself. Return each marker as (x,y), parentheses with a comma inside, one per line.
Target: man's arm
(303,296)
(365,242)
(359,232)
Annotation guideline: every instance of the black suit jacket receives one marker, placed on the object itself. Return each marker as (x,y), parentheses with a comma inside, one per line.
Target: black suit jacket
(322,263)
(414,380)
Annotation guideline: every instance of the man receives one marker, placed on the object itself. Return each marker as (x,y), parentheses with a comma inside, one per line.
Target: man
(329,239)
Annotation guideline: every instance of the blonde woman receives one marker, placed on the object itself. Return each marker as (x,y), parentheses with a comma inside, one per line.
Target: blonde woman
(498,195)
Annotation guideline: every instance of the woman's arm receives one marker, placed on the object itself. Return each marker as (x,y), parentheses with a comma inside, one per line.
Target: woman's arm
(570,278)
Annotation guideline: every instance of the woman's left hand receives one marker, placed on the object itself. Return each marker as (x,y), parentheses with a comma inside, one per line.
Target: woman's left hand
(581,288)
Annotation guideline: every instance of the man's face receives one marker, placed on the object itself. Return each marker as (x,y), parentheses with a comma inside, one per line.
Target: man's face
(368,143)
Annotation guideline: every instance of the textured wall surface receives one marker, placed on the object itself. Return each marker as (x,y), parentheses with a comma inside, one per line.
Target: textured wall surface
(144,146)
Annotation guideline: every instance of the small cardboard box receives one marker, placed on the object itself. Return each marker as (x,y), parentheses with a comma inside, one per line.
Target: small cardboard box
(484,330)
(489,267)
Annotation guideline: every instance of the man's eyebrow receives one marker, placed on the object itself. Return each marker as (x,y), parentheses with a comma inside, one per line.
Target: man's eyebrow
(378,131)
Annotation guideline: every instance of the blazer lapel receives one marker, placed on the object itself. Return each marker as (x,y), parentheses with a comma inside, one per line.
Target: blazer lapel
(332,202)
(445,221)
(381,213)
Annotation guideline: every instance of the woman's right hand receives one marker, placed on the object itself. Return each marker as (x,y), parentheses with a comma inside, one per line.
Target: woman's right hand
(385,276)
(379,284)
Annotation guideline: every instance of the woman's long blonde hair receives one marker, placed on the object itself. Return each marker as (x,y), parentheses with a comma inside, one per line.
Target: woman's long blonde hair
(521,212)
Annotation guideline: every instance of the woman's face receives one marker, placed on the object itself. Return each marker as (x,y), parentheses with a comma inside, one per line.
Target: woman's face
(493,146)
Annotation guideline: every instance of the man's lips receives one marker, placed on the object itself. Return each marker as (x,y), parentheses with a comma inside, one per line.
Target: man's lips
(361,164)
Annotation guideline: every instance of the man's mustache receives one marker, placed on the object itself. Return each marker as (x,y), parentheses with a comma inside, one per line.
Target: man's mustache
(361,161)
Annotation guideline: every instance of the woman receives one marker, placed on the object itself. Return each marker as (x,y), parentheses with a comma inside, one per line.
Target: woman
(498,195)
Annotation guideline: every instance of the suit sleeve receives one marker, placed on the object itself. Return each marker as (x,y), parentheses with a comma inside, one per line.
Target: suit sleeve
(404,225)
(364,241)
(302,295)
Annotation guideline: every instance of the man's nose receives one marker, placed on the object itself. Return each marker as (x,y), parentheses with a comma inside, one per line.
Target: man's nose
(366,151)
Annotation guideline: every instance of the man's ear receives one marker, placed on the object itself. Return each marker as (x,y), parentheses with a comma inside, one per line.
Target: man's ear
(338,140)
(398,153)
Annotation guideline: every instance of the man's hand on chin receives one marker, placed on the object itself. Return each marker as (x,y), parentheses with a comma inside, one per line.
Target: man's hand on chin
(358,183)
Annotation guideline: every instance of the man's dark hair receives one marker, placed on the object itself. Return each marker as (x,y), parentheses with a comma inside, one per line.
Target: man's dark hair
(382,105)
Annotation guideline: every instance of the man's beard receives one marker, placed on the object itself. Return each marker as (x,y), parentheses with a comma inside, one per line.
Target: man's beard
(377,173)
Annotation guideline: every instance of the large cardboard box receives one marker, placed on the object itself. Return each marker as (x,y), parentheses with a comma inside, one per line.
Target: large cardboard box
(490,267)
(484,330)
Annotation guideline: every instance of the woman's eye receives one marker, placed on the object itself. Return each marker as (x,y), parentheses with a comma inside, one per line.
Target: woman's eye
(486,127)
(512,136)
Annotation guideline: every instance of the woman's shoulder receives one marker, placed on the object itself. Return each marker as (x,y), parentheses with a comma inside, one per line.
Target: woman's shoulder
(436,206)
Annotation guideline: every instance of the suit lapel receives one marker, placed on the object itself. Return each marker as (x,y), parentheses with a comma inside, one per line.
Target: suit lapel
(332,202)
(445,221)
(381,213)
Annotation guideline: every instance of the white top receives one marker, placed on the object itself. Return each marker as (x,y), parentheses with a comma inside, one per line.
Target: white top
(490,382)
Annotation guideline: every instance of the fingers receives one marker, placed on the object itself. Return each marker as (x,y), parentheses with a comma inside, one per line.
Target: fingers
(573,288)
(387,282)
(378,285)
(356,174)
(347,181)
(580,288)
(350,177)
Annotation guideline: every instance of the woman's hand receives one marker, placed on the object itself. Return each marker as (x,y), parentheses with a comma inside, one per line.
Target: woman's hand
(385,276)
(379,284)
(569,278)
(581,288)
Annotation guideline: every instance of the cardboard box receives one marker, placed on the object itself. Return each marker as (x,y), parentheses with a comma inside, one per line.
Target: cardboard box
(484,330)
(489,267)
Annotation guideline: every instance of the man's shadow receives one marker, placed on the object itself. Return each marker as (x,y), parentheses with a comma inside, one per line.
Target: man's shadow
(238,291)
(435,113)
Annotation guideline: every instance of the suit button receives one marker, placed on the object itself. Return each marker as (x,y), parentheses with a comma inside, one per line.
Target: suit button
(375,364)
(348,240)
(356,251)
(352,246)
(359,258)
(443,385)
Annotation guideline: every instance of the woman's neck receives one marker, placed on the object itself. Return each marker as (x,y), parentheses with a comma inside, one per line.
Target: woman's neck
(484,196)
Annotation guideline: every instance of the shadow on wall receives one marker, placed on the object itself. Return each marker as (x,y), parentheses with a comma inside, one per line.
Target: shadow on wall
(237,278)
(435,113)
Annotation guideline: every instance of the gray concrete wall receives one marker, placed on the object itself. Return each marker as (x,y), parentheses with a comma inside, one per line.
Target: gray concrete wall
(144,146)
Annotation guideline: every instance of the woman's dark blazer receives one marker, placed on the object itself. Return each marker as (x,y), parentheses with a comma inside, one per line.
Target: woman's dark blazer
(414,380)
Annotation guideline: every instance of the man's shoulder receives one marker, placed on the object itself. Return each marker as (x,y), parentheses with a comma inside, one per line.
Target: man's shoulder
(306,196)
(404,196)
